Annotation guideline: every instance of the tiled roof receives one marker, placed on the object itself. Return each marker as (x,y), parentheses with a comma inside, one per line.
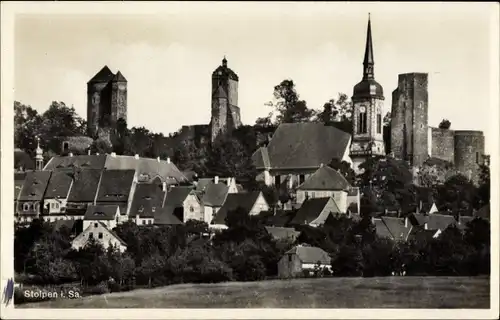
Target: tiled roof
(19,178)
(119,77)
(325,178)
(104,75)
(420,234)
(417,219)
(310,255)
(59,185)
(214,195)
(101,212)
(147,197)
(484,212)
(280,219)
(34,186)
(233,201)
(225,72)
(81,161)
(202,183)
(396,227)
(283,233)
(113,234)
(306,145)
(310,210)
(115,185)
(440,221)
(353,191)
(73,225)
(165,216)
(85,186)
(175,196)
(260,158)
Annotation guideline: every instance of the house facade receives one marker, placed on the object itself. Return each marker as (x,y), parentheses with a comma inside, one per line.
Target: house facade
(302,258)
(315,211)
(102,234)
(252,202)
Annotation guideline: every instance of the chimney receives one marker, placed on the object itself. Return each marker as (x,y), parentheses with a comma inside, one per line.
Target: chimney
(406,222)
(136,156)
(113,154)
(168,159)
(164,186)
(158,159)
(216,179)
(425,226)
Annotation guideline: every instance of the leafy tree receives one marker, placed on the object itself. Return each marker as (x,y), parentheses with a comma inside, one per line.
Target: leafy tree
(484,189)
(336,110)
(387,119)
(345,169)
(457,194)
(433,173)
(289,107)
(189,156)
(445,124)
(26,127)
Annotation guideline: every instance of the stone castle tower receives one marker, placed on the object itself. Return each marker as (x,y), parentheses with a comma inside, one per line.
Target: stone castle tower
(225,111)
(368,103)
(106,100)
(409,119)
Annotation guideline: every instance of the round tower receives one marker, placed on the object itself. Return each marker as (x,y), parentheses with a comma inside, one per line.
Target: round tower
(469,151)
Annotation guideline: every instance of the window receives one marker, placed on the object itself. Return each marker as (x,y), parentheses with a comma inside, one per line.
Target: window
(277,180)
(143,221)
(191,209)
(301,179)
(290,258)
(149,221)
(379,123)
(91,235)
(362,123)
(307,194)
(477,157)
(26,206)
(100,235)
(95,225)
(56,205)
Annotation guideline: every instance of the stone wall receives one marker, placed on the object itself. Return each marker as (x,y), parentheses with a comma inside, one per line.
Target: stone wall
(443,144)
(469,151)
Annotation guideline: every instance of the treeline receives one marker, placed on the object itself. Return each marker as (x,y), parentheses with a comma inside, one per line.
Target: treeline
(243,252)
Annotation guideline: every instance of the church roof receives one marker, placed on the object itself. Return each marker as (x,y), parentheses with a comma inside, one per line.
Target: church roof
(325,178)
(119,77)
(105,75)
(224,71)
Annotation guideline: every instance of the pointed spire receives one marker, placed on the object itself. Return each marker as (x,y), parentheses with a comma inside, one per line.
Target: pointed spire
(224,62)
(368,62)
(119,77)
(104,75)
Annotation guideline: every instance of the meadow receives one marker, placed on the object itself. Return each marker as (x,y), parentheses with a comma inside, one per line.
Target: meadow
(383,292)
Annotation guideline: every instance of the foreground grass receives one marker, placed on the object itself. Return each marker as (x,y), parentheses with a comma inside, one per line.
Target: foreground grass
(388,292)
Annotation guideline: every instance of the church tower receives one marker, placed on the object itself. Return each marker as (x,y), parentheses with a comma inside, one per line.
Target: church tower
(38,156)
(368,103)
(225,111)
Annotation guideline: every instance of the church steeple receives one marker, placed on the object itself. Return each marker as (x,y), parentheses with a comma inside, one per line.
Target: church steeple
(224,62)
(368,62)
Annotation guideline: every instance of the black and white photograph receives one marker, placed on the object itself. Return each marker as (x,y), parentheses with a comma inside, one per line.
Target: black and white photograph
(250,159)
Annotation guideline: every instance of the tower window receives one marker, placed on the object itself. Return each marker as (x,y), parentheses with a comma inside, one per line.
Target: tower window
(362,123)
(379,123)
(477,157)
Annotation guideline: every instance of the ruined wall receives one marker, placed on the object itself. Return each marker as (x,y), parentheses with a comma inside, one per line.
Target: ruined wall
(95,103)
(469,149)
(420,118)
(397,125)
(443,144)
(118,102)
(218,124)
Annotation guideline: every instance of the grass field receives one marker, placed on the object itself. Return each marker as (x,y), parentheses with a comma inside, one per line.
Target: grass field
(389,292)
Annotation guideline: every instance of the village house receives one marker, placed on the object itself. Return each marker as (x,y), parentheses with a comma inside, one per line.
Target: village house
(19,178)
(202,183)
(30,200)
(83,192)
(213,196)
(56,196)
(393,228)
(277,217)
(315,211)
(147,200)
(301,258)
(297,150)
(166,216)
(282,233)
(109,215)
(184,203)
(326,182)
(102,234)
(252,202)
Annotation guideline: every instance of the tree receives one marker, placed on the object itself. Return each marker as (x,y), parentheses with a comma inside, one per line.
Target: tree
(484,189)
(345,169)
(433,173)
(445,124)
(457,194)
(387,119)
(26,127)
(102,146)
(289,107)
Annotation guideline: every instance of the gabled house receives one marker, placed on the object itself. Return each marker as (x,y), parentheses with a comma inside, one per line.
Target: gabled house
(252,202)
(83,192)
(419,234)
(325,182)
(439,222)
(277,218)
(102,233)
(315,211)
(109,215)
(147,200)
(300,258)
(56,196)
(213,197)
(166,216)
(30,200)
(297,150)
(393,228)
(184,204)
(117,188)
(202,183)
(281,233)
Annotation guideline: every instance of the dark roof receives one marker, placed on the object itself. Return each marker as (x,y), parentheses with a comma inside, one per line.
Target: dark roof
(310,254)
(214,194)
(59,185)
(280,219)
(165,216)
(483,212)
(100,212)
(115,185)
(391,228)
(175,196)
(440,221)
(234,201)
(147,197)
(105,75)
(417,219)
(310,210)
(464,220)
(432,161)
(420,234)
(119,77)
(113,234)
(202,183)
(305,145)
(325,178)
(81,161)
(34,186)
(85,186)
(19,178)
(74,226)
(225,72)
(190,175)
(260,158)
(368,88)
(283,233)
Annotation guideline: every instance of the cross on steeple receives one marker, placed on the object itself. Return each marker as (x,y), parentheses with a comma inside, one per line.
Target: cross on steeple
(368,62)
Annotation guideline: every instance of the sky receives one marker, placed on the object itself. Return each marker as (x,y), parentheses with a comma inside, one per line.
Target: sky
(168,53)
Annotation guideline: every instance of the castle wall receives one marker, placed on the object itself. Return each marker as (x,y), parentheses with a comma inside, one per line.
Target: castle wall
(233,93)
(469,149)
(118,101)
(397,126)
(218,123)
(443,144)
(95,104)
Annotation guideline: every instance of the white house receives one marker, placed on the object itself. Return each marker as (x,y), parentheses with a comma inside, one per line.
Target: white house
(103,234)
